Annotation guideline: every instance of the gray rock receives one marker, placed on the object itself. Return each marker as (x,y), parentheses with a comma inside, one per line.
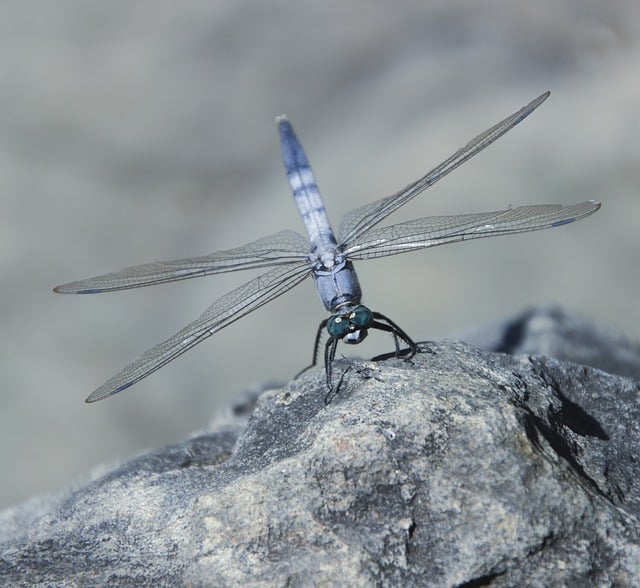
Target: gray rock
(552,331)
(463,467)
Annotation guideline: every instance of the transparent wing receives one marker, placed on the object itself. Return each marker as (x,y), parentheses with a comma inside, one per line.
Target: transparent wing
(438,230)
(277,249)
(357,221)
(222,312)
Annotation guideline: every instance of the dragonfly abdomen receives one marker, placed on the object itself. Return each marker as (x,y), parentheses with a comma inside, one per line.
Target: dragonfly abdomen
(304,188)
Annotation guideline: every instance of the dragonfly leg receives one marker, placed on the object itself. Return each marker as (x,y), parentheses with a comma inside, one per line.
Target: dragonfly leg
(396,331)
(382,327)
(316,346)
(329,356)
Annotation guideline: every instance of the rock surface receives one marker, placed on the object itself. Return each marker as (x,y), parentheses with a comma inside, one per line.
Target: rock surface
(553,332)
(463,467)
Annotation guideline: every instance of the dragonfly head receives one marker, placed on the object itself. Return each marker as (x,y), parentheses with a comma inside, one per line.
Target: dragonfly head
(352,326)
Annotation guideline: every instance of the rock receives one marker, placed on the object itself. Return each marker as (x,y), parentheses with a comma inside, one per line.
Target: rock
(552,331)
(462,467)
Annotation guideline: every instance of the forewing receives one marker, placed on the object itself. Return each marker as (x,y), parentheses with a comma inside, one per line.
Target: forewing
(222,312)
(357,221)
(277,249)
(438,230)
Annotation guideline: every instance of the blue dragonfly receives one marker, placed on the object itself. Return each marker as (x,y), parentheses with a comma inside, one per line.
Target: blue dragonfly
(327,259)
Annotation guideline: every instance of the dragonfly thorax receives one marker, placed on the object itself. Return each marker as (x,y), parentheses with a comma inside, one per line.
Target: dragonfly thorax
(338,287)
(352,326)
(328,260)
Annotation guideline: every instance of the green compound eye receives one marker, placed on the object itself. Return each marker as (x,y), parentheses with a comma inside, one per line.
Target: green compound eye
(361,317)
(337,326)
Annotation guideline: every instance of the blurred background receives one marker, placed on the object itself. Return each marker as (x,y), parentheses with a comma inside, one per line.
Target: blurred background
(138,131)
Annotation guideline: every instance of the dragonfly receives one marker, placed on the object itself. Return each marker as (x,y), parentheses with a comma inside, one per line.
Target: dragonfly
(327,259)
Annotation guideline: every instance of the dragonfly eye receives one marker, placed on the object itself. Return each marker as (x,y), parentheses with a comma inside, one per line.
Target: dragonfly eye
(361,317)
(337,326)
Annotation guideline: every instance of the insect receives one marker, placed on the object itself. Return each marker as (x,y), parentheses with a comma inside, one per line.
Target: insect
(326,258)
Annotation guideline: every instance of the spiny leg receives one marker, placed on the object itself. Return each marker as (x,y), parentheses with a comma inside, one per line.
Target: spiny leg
(332,393)
(382,327)
(329,356)
(316,346)
(396,331)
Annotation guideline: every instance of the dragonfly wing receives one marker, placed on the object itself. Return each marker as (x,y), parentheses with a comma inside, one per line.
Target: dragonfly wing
(222,312)
(358,221)
(438,230)
(277,249)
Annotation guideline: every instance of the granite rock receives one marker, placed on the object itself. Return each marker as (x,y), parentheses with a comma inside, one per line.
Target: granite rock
(555,332)
(461,467)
